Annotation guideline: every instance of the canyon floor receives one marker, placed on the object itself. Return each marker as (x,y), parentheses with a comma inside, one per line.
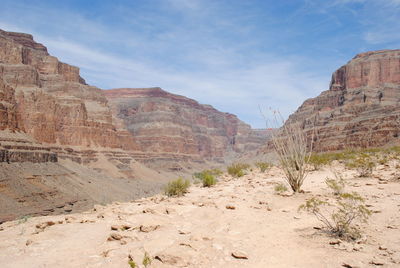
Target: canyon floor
(240,222)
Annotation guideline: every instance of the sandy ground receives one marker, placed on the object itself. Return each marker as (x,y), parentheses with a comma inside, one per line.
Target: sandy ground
(208,227)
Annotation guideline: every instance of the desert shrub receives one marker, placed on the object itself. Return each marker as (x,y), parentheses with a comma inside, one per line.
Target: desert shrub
(263,166)
(363,163)
(146,259)
(208,180)
(177,187)
(319,160)
(280,188)
(237,169)
(336,185)
(214,172)
(208,177)
(132,264)
(348,208)
(294,152)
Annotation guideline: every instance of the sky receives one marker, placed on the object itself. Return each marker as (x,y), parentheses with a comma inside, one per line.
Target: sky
(236,55)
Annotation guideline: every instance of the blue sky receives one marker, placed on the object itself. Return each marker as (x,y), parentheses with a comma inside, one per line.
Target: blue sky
(236,55)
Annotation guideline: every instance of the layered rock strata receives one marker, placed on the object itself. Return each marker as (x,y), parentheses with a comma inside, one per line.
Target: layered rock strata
(49,101)
(361,107)
(170,125)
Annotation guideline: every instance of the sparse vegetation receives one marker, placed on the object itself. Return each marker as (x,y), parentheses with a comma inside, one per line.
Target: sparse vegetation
(132,264)
(237,169)
(177,187)
(348,208)
(209,180)
(337,184)
(294,152)
(263,166)
(364,164)
(146,260)
(24,219)
(208,177)
(280,188)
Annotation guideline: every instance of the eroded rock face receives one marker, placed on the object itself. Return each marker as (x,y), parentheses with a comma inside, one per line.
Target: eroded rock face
(165,123)
(49,101)
(361,107)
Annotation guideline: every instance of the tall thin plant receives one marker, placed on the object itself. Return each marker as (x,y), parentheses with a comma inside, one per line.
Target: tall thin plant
(293,149)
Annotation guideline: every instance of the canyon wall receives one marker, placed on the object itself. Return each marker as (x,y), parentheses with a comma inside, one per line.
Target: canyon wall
(361,107)
(169,124)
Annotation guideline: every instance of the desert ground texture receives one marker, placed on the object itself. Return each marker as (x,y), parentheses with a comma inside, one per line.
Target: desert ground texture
(239,222)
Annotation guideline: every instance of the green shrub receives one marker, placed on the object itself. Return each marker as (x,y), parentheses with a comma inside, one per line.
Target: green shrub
(263,166)
(280,188)
(177,187)
(132,264)
(237,169)
(208,180)
(208,176)
(146,260)
(319,160)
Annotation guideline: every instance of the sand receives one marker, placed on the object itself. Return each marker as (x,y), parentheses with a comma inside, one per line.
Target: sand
(240,222)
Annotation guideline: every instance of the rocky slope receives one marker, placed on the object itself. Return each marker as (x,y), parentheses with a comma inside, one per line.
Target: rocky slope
(174,126)
(361,107)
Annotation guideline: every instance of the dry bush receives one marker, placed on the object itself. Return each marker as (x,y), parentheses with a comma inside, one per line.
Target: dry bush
(364,163)
(348,208)
(337,184)
(294,152)
(177,187)
(280,188)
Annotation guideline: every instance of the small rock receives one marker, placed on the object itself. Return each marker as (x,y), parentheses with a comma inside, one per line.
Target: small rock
(170,259)
(169,210)
(114,227)
(44,225)
(240,255)
(149,210)
(230,207)
(317,228)
(377,262)
(347,265)
(335,242)
(28,242)
(148,228)
(114,236)
(381,247)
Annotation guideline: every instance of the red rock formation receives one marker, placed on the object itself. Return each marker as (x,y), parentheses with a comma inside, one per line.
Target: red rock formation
(362,106)
(165,123)
(51,101)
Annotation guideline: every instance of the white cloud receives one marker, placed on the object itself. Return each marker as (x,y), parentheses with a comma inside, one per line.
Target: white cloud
(204,65)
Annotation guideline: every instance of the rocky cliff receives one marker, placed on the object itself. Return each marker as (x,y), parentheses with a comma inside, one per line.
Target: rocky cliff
(169,124)
(64,147)
(361,107)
